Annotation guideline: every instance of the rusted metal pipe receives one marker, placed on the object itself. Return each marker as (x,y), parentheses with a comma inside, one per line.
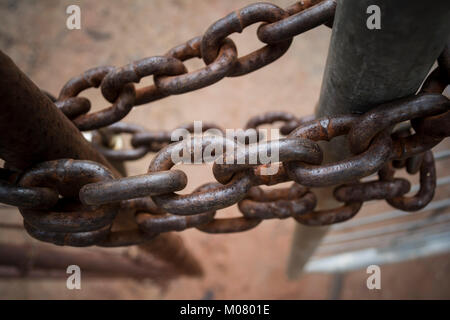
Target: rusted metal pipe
(33,130)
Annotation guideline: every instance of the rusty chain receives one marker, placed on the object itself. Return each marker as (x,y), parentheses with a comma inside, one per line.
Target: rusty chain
(75,202)
(170,74)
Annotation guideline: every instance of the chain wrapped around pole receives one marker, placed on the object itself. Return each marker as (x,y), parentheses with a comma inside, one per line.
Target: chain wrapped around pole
(74,202)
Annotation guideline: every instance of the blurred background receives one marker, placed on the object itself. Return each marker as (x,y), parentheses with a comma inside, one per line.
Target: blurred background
(250,265)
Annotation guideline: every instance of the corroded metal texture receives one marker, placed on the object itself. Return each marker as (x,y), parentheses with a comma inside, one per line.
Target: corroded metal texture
(206,76)
(225,225)
(372,190)
(330,216)
(36,123)
(236,22)
(278,203)
(297,23)
(133,187)
(288,150)
(14,195)
(389,114)
(427,186)
(68,222)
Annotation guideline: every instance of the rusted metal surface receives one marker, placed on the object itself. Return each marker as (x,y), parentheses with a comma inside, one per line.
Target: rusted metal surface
(159,223)
(73,107)
(133,187)
(278,203)
(237,22)
(389,114)
(297,23)
(92,79)
(288,150)
(343,171)
(372,190)
(206,76)
(229,225)
(221,197)
(414,163)
(23,107)
(68,219)
(74,239)
(115,81)
(427,186)
(224,225)
(330,216)
(14,195)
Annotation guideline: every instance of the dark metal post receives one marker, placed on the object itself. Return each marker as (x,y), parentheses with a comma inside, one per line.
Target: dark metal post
(366,67)
(33,129)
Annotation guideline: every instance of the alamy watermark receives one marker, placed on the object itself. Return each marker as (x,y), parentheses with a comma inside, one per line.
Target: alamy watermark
(74,280)
(73,21)
(374,20)
(374,280)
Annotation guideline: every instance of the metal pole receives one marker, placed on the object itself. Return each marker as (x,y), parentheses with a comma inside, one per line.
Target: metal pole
(366,67)
(33,129)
